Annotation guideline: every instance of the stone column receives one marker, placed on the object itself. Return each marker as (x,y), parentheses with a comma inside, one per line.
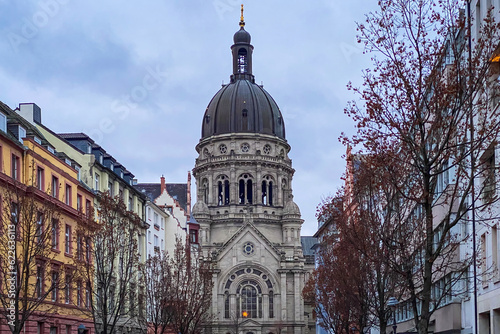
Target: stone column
(283,296)
(296,295)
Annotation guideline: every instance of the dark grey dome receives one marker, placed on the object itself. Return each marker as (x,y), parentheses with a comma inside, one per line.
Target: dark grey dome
(241,36)
(242,107)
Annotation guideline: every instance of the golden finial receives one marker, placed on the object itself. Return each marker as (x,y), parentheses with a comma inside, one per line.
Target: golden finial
(242,21)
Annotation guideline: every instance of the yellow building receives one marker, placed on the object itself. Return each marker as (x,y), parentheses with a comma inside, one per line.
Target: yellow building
(43,207)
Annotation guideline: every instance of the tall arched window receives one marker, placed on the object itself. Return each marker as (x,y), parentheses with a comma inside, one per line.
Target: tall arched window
(245,189)
(267,191)
(223,191)
(226,305)
(204,185)
(249,296)
(242,61)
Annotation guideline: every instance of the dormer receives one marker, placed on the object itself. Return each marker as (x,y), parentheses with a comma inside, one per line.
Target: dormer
(109,161)
(98,153)
(18,131)
(128,177)
(118,169)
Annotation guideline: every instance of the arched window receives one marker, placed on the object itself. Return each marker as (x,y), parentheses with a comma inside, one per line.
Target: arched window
(245,189)
(223,191)
(226,305)
(271,304)
(267,191)
(204,185)
(242,61)
(249,296)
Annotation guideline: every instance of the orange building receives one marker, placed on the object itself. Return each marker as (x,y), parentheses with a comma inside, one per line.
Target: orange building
(43,208)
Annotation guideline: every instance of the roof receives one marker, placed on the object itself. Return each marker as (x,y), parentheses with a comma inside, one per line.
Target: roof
(178,191)
(308,244)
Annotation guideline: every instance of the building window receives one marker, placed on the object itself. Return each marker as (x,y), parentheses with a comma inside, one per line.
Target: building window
(39,327)
(88,208)
(68,195)
(54,234)
(14,214)
(155,220)
(267,191)
(245,190)
(67,240)
(87,296)
(223,191)
(79,293)
(271,304)
(3,122)
(79,200)
(156,244)
(162,222)
(494,250)
(15,168)
(39,228)
(226,305)
(39,281)
(88,249)
(193,236)
(489,177)
(79,247)
(130,203)
(55,186)
(249,296)
(67,289)
(54,287)
(68,329)
(97,183)
(483,260)
(242,61)
(22,134)
(40,178)
(53,330)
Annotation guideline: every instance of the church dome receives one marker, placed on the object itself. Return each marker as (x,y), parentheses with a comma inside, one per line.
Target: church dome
(242,106)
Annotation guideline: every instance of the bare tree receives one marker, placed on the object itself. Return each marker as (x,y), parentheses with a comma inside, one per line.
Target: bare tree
(112,278)
(191,290)
(178,291)
(156,280)
(29,282)
(419,101)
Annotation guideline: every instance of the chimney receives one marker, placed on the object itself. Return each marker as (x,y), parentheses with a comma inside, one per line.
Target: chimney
(163,186)
(30,112)
(188,204)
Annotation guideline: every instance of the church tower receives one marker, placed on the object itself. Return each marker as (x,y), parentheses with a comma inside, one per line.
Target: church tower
(249,223)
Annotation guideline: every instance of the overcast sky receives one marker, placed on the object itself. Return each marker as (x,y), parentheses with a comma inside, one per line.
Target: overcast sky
(84,63)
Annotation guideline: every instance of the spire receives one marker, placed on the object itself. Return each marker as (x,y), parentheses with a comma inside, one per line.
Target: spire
(242,20)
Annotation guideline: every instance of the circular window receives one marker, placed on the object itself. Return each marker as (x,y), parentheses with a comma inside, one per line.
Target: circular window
(223,148)
(248,248)
(245,147)
(267,149)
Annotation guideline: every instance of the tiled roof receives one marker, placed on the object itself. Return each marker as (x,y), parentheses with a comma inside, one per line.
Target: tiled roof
(177,190)
(308,244)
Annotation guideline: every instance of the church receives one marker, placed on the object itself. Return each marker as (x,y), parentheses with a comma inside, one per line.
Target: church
(249,225)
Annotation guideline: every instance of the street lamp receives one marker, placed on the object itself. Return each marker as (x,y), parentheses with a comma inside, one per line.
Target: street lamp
(392,302)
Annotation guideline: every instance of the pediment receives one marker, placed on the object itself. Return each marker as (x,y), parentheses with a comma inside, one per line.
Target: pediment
(250,323)
(248,230)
